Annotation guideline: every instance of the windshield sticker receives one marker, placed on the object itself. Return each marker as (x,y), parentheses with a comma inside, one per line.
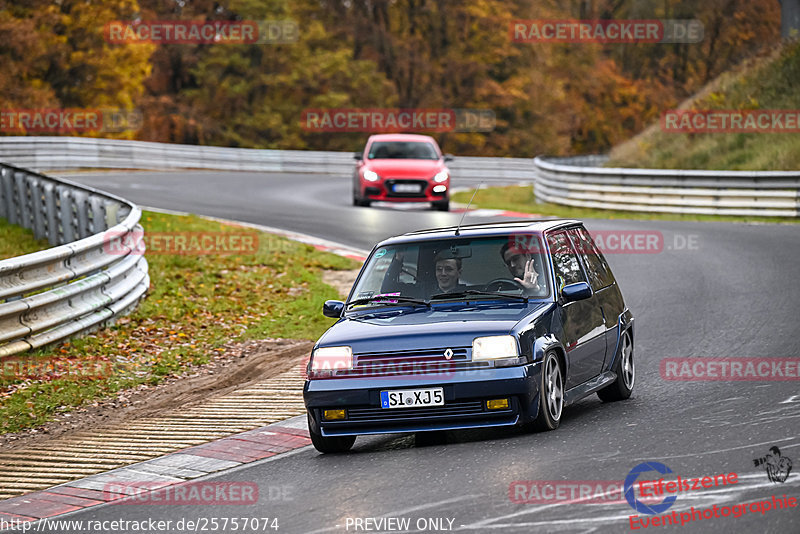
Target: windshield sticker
(377,298)
(380,253)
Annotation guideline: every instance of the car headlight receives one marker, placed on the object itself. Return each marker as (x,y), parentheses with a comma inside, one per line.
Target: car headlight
(440,176)
(494,348)
(331,359)
(371,176)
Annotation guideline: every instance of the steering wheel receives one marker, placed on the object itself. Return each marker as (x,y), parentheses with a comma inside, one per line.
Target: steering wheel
(504,284)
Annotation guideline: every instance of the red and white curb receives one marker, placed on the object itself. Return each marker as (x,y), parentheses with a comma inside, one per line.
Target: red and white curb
(135,482)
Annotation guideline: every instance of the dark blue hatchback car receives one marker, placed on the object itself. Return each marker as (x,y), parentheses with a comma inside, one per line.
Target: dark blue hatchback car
(477,326)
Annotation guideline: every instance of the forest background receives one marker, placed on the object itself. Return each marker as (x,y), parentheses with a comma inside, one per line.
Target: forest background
(554,98)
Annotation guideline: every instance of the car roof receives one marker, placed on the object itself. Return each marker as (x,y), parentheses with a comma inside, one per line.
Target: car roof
(537,226)
(401,137)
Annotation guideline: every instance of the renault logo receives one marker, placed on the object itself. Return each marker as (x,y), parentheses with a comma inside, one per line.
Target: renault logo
(448,353)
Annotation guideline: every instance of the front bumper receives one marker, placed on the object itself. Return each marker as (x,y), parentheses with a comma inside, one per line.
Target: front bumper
(383,191)
(465,396)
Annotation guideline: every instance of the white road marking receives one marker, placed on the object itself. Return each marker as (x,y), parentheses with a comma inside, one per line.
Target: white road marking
(695,454)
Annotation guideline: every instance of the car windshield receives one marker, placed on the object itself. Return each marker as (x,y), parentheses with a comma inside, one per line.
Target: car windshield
(507,267)
(402,150)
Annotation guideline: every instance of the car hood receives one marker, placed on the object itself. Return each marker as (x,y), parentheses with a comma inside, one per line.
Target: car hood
(405,168)
(421,328)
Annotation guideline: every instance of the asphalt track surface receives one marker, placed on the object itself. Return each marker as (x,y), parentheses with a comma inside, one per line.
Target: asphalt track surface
(715,290)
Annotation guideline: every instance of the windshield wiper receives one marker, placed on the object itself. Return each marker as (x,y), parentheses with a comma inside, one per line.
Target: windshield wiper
(469,292)
(387,299)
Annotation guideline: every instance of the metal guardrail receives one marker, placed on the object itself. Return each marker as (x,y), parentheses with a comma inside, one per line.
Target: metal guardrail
(43,153)
(582,182)
(577,181)
(95,272)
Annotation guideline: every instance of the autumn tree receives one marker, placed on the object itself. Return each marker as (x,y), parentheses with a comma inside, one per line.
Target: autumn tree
(55,55)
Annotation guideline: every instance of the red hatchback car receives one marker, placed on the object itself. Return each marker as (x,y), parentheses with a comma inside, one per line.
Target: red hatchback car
(402,168)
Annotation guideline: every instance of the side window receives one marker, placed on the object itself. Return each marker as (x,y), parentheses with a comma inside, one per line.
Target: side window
(408,274)
(565,262)
(391,269)
(597,269)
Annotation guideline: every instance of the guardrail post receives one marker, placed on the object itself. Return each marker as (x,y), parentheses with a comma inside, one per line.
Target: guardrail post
(80,199)
(98,214)
(50,213)
(68,224)
(5,192)
(14,216)
(38,209)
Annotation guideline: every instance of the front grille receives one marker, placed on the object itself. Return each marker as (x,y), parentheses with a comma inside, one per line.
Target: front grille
(466,408)
(443,370)
(390,192)
(412,363)
(373,359)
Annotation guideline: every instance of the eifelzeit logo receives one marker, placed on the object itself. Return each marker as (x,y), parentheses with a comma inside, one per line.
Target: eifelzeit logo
(777,467)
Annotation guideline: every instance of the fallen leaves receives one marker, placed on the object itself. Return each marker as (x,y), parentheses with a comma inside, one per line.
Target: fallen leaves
(197,311)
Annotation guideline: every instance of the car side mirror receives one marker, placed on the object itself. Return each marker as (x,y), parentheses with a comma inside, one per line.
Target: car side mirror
(576,291)
(448,157)
(358,155)
(333,308)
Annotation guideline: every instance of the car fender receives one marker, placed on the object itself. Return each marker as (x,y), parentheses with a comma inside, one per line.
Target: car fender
(546,343)
(624,322)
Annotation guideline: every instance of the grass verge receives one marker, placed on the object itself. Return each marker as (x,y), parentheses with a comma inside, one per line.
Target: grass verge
(765,84)
(17,241)
(522,199)
(196,305)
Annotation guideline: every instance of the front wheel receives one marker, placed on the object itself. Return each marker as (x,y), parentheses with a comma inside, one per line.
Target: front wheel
(330,444)
(621,388)
(551,394)
(360,202)
(444,205)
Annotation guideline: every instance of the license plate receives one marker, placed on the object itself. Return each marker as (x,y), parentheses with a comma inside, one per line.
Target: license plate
(407,188)
(412,398)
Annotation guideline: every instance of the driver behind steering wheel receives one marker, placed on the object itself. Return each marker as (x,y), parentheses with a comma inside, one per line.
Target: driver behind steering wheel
(525,269)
